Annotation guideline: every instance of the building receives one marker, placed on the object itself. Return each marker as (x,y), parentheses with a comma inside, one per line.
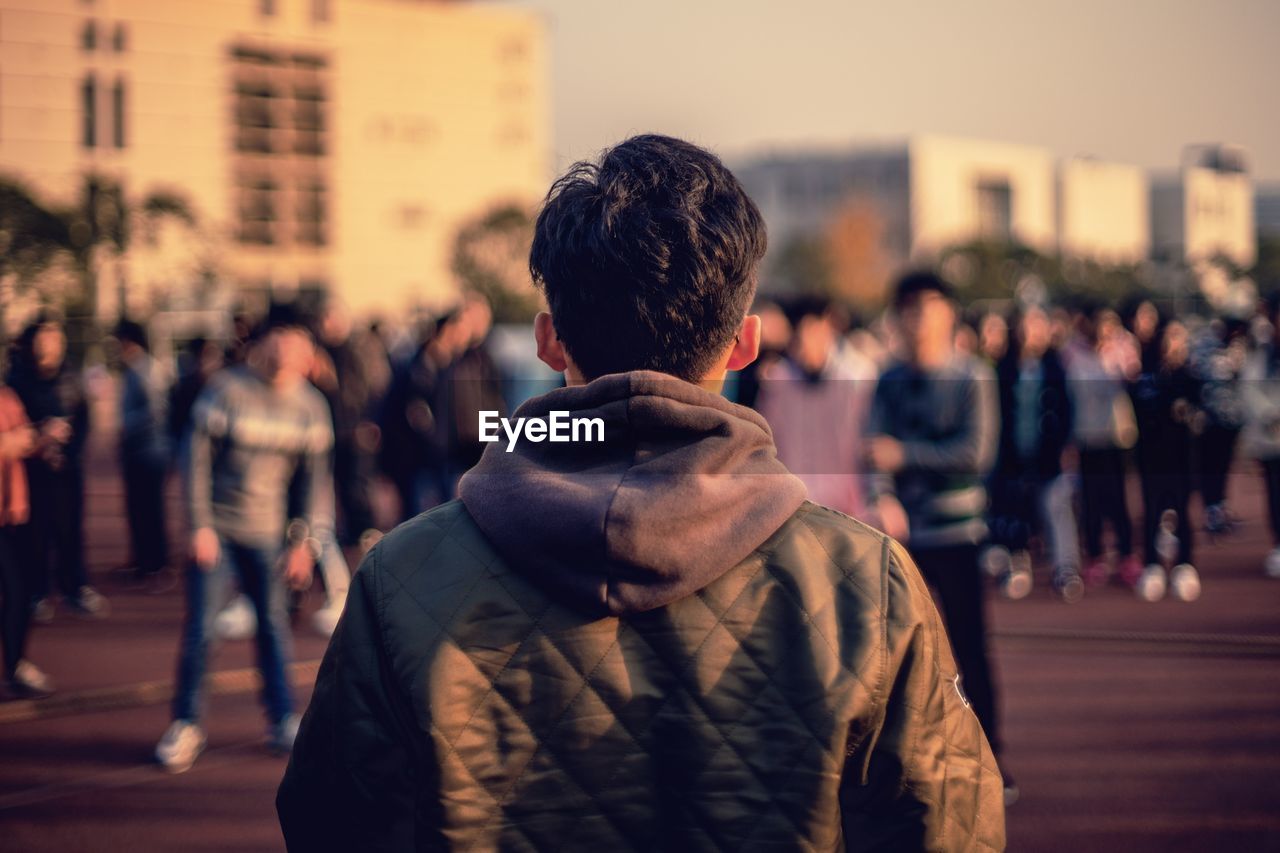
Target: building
(1103,211)
(1266,210)
(322,145)
(929,192)
(1205,211)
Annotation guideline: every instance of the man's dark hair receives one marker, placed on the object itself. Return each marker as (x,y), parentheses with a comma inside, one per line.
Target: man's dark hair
(648,258)
(131,331)
(911,285)
(796,308)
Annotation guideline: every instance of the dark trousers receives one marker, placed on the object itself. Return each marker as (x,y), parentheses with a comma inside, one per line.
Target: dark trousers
(353,482)
(954,573)
(16,611)
(144,506)
(1217,449)
(56,530)
(1271,475)
(1103,499)
(207,593)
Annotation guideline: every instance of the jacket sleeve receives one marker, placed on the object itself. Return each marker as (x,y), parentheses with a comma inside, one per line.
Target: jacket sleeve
(972,449)
(351,783)
(925,777)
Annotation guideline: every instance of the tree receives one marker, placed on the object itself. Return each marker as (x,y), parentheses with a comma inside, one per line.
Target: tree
(31,237)
(491,258)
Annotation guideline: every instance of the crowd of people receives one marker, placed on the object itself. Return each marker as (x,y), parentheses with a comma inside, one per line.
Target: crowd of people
(993,442)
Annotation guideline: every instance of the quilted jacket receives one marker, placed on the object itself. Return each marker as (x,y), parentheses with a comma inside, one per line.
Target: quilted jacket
(650,644)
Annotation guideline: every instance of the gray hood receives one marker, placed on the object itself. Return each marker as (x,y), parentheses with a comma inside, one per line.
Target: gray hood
(684,486)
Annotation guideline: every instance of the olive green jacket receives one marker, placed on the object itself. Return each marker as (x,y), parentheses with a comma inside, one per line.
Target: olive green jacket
(804,697)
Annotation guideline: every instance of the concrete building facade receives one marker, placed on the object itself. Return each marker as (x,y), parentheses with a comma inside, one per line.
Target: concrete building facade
(322,145)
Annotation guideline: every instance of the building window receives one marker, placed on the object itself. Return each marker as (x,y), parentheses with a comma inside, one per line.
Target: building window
(119,39)
(320,10)
(89,36)
(267,7)
(312,213)
(255,117)
(309,121)
(995,211)
(258,212)
(89,111)
(117,113)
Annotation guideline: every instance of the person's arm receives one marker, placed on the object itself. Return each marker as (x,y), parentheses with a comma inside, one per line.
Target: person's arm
(924,777)
(208,424)
(972,449)
(352,782)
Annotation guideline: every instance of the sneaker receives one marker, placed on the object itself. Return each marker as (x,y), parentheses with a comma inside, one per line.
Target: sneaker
(1151,586)
(1130,571)
(1068,585)
(29,682)
(1216,521)
(1095,574)
(42,611)
(995,561)
(1017,583)
(236,621)
(325,620)
(1272,564)
(1011,792)
(90,603)
(1185,582)
(368,539)
(180,747)
(281,735)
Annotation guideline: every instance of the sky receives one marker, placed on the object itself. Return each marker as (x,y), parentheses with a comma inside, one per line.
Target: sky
(1125,80)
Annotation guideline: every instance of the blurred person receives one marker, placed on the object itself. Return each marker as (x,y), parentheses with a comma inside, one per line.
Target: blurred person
(1261,391)
(23,679)
(259,494)
(1030,494)
(53,394)
(1103,428)
(203,359)
(145,450)
(651,641)
(993,337)
(932,440)
(816,401)
(1168,418)
(1217,361)
(413,439)
(354,381)
(470,384)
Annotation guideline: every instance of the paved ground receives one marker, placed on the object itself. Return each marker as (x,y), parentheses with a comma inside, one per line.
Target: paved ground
(1130,727)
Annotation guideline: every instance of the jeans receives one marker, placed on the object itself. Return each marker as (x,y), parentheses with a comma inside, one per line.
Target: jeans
(1102,493)
(255,567)
(56,529)
(15,615)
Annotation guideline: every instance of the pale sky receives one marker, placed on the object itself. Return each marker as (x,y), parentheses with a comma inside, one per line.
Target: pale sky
(1125,80)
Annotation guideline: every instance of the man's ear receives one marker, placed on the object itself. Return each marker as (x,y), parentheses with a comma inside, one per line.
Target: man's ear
(747,345)
(550,350)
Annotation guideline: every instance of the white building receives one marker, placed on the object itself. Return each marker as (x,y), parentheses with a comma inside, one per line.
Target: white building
(1206,210)
(1103,211)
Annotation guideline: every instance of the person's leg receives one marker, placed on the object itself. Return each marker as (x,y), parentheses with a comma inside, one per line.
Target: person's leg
(206,593)
(16,608)
(1059,523)
(335,571)
(69,526)
(1180,502)
(954,573)
(39,533)
(264,583)
(131,474)
(1271,476)
(1091,501)
(157,543)
(1151,510)
(1117,502)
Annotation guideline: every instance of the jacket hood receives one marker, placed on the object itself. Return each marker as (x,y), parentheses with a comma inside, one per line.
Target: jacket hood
(684,486)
